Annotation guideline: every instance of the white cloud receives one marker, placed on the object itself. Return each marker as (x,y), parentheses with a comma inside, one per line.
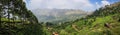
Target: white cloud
(98,5)
(65,4)
(105,2)
(60,4)
(34,4)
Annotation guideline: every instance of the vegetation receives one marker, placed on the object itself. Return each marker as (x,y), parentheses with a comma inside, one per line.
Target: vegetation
(104,21)
(15,19)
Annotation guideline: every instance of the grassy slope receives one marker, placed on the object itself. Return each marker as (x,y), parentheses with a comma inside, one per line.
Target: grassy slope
(102,22)
(98,27)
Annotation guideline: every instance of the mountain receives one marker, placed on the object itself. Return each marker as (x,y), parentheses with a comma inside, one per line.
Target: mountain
(104,21)
(58,15)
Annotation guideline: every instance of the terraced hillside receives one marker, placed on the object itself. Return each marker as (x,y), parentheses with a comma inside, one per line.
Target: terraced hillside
(105,21)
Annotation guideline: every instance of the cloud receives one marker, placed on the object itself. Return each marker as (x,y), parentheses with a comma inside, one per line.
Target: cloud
(65,4)
(59,4)
(97,5)
(105,2)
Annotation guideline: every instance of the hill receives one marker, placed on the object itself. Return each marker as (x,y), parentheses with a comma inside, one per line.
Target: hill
(104,21)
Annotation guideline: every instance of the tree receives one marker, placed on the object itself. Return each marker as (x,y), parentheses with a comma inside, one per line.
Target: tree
(28,23)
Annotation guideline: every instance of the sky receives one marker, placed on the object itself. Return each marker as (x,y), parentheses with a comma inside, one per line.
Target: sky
(86,5)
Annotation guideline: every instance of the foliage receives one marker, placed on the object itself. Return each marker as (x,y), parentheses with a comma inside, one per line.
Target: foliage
(104,21)
(15,19)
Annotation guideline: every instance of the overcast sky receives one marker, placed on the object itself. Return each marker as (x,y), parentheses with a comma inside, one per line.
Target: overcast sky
(87,5)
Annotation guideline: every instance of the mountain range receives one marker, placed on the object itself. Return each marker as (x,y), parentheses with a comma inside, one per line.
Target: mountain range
(59,15)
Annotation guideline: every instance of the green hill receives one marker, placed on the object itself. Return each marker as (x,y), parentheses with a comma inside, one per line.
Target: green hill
(104,21)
